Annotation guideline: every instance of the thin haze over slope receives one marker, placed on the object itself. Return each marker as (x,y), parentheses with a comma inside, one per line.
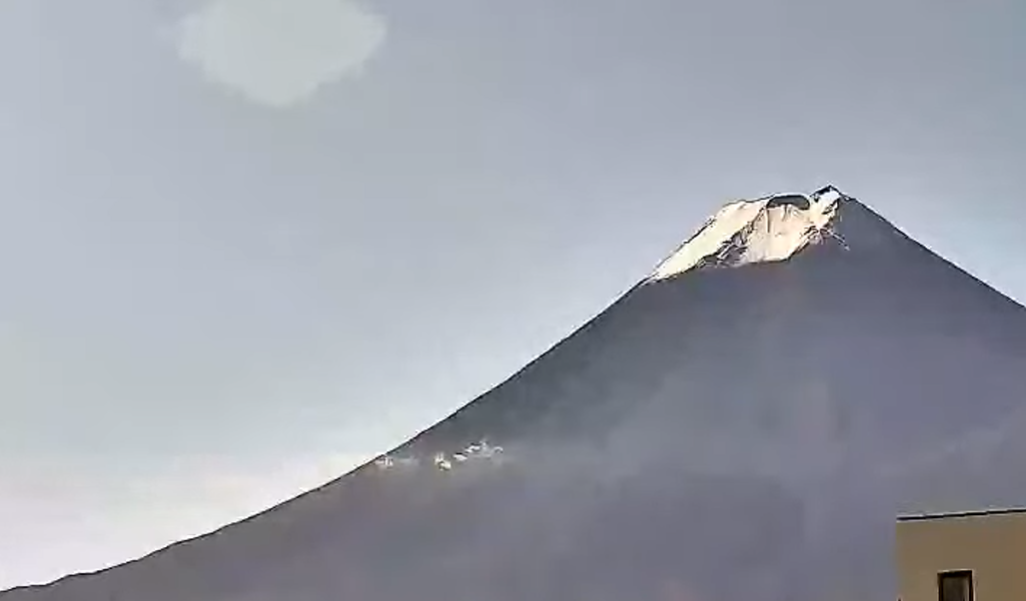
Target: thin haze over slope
(742,425)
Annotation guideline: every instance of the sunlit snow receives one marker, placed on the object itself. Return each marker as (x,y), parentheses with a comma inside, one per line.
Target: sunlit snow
(772,228)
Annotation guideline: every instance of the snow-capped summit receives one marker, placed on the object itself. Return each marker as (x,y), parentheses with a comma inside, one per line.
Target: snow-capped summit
(771,228)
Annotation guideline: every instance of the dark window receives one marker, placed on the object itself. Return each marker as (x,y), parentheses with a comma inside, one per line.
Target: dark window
(955,586)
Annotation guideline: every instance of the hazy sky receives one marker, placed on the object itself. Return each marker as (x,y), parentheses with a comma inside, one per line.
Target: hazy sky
(245,244)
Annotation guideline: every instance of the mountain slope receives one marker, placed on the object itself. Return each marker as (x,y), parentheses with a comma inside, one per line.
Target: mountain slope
(741,425)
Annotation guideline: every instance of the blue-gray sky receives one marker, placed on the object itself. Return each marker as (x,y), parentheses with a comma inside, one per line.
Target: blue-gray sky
(247,243)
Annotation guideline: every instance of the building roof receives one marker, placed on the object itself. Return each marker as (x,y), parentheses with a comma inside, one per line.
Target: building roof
(961,514)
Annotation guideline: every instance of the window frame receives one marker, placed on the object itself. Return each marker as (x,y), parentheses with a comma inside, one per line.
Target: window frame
(965,575)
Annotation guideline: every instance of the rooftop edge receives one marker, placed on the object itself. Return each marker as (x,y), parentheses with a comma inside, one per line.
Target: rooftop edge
(918,517)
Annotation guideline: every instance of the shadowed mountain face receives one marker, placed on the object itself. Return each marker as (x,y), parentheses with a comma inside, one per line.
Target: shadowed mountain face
(727,433)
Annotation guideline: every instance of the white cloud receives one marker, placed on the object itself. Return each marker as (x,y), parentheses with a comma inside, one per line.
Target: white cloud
(279,52)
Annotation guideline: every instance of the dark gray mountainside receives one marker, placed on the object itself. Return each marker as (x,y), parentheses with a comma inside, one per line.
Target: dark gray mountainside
(744,430)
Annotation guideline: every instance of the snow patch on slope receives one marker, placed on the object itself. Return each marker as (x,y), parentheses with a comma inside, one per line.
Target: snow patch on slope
(772,228)
(480,451)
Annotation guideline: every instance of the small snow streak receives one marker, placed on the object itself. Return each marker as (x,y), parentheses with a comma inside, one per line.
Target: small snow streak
(279,52)
(445,461)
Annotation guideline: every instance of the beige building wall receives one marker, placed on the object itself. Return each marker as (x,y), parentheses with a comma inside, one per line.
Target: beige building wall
(991,544)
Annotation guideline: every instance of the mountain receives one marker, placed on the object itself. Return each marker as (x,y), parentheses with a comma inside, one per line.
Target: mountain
(742,425)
